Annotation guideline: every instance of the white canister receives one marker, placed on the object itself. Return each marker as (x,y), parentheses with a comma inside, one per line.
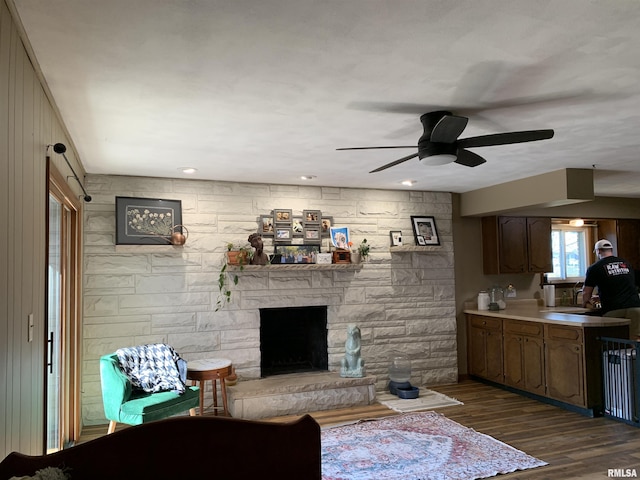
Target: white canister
(483,300)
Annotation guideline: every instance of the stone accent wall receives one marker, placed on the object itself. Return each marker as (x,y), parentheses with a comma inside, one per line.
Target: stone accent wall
(403,301)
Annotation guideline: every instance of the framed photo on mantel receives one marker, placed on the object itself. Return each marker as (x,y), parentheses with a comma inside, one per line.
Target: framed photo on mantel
(425,231)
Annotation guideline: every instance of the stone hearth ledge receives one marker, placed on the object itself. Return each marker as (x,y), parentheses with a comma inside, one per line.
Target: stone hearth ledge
(298,393)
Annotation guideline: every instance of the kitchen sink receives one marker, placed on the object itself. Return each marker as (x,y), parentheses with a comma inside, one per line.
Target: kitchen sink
(566,309)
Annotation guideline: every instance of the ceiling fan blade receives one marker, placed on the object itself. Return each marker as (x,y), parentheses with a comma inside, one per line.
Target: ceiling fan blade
(396,162)
(468,158)
(505,138)
(448,129)
(373,148)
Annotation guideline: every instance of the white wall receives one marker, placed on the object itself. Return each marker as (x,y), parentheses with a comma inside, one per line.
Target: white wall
(137,294)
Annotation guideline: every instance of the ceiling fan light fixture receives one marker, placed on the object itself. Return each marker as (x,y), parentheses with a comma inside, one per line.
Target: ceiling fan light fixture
(440,159)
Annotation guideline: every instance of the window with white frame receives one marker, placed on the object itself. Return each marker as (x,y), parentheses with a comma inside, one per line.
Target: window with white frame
(570,254)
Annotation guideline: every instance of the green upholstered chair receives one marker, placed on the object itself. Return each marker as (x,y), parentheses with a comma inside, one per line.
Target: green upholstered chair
(126,404)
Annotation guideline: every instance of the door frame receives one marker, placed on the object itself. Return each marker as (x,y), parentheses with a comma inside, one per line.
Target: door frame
(70,407)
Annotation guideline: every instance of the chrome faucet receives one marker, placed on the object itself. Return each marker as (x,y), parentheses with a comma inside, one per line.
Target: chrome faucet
(577,291)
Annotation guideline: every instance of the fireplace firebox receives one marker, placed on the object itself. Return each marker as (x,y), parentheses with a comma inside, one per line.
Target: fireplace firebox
(292,340)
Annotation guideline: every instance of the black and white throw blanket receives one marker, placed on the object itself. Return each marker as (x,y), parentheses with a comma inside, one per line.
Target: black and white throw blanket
(154,368)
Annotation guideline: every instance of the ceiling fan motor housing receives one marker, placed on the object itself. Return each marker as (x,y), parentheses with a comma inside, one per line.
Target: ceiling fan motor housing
(443,152)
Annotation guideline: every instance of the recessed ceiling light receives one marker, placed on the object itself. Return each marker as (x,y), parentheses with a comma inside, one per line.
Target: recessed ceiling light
(307,177)
(409,183)
(188,170)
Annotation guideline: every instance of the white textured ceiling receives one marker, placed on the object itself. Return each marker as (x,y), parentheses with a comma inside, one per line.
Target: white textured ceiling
(266,90)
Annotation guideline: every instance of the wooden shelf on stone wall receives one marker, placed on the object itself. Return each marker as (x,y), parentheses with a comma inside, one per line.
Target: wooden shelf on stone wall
(296,266)
(416,248)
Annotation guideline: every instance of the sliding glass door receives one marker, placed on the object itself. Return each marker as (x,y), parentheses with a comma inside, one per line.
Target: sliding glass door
(63,324)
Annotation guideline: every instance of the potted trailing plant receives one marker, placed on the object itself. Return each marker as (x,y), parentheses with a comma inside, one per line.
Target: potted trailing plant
(235,255)
(238,255)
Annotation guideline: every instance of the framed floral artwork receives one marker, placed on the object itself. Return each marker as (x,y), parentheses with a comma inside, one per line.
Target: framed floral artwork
(147,221)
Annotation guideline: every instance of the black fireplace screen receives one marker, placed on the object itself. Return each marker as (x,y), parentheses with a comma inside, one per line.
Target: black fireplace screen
(293,340)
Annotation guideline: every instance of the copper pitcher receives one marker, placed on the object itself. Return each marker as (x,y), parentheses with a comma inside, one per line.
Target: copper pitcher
(177,237)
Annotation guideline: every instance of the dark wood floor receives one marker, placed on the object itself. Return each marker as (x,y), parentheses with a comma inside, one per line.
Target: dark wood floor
(573,445)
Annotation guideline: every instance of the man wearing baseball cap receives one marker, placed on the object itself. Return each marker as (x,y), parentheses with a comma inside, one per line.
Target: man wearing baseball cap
(616,284)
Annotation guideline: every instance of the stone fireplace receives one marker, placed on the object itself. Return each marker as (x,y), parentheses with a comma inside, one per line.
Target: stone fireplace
(293,340)
(402,298)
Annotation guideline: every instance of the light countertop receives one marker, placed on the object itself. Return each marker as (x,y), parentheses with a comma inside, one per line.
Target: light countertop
(532,312)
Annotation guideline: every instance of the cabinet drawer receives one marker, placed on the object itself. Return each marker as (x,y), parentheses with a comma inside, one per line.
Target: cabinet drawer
(490,323)
(520,327)
(563,333)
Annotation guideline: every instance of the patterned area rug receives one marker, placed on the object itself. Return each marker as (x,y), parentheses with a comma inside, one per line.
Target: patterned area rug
(427,400)
(416,446)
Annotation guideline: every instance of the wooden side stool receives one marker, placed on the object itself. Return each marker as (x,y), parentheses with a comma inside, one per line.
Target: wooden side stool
(211,369)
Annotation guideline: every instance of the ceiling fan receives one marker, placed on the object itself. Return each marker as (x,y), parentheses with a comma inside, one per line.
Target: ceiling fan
(439,144)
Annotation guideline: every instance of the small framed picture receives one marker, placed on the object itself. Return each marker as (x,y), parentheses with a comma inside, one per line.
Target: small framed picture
(311,216)
(396,238)
(325,226)
(425,231)
(282,234)
(297,226)
(266,225)
(282,216)
(312,235)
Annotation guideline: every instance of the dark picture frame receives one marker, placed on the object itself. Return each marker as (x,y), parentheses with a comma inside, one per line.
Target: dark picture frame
(299,254)
(146,221)
(425,227)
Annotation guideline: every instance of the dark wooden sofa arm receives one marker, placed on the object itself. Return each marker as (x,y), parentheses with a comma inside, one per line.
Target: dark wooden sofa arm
(188,447)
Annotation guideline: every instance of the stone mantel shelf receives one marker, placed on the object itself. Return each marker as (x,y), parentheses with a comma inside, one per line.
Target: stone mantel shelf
(416,248)
(297,266)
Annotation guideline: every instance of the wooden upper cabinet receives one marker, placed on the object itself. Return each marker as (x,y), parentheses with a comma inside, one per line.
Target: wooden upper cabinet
(516,245)
(628,233)
(539,245)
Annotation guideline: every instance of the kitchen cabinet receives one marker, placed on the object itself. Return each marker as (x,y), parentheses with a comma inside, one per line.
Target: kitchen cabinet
(565,370)
(557,362)
(485,347)
(628,233)
(624,235)
(516,245)
(524,356)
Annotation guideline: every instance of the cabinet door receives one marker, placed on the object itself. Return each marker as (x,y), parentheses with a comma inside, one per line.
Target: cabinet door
(628,233)
(513,361)
(513,244)
(533,364)
(524,363)
(485,347)
(565,372)
(539,245)
(494,356)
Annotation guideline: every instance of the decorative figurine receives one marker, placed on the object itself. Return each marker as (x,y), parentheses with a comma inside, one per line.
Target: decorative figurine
(259,257)
(352,364)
